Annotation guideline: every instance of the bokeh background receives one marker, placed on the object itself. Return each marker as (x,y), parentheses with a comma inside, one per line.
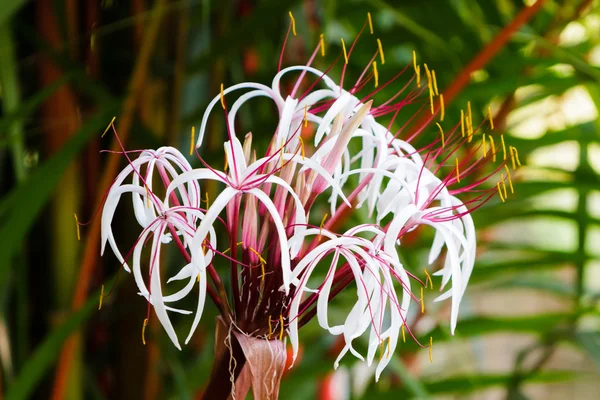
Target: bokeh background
(530,321)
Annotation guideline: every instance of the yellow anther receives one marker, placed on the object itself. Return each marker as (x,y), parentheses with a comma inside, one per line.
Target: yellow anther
(281,324)
(469,113)
(422,302)
(344,50)
(322,44)
(375,73)
(321,226)
(387,352)
(380,51)
(493,148)
(403,334)
(441,132)
(457,171)
(469,122)
(282,160)
(109,125)
(503,147)
(77,225)
(262,264)
(442,109)
(418,72)
(462,123)
(226,163)
(147,196)
(500,191)
(428,73)
(198,278)
(101,298)
(144,331)
(207,201)
(431,99)
(510,184)
(270,327)
(504,186)
(222,97)
(227,250)
(306,115)
(430,349)
(293,23)
(381,349)
(370,22)
(193,135)
(435,88)
(428,278)
(514,156)
(490,117)
(301,146)
(484,146)
(415,61)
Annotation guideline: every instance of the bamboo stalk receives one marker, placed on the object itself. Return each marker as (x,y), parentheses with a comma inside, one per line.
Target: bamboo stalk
(90,254)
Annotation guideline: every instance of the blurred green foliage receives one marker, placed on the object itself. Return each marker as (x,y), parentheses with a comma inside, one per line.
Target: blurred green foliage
(64,72)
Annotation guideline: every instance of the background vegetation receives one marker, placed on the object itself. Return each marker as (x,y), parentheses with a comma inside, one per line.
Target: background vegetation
(530,325)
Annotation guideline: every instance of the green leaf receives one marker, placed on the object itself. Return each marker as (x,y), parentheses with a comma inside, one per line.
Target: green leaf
(26,201)
(8,8)
(475,382)
(46,353)
(590,341)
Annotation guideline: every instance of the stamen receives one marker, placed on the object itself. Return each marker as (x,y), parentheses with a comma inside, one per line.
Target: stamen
(147,196)
(281,323)
(380,52)
(293,23)
(226,163)
(262,263)
(403,334)
(207,201)
(428,279)
(462,123)
(193,134)
(512,157)
(222,97)
(415,61)
(493,148)
(441,132)
(500,192)
(484,147)
(108,127)
(322,44)
(503,147)
(422,302)
(442,110)
(430,349)
(457,171)
(306,115)
(375,73)
(381,349)
(435,87)
(418,72)
(370,22)
(490,117)
(321,226)
(101,298)
(301,146)
(504,186)
(270,328)
(469,122)
(77,225)
(387,353)
(431,99)
(344,50)
(144,331)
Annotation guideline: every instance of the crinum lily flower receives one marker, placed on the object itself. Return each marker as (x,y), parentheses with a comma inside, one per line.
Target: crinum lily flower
(263,226)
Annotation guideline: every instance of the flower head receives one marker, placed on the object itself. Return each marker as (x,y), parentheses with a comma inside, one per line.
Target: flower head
(285,266)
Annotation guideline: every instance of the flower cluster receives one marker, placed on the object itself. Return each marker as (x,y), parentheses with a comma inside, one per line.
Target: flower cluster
(267,227)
